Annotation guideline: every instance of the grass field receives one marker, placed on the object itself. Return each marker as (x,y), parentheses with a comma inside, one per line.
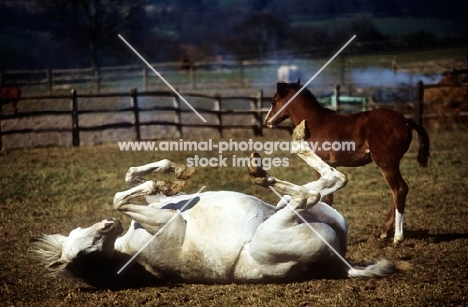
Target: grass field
(55,189)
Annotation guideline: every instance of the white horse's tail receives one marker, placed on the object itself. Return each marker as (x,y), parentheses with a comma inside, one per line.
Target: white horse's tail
(379,269)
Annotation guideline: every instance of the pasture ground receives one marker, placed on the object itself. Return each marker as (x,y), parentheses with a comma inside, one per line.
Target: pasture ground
(56,189)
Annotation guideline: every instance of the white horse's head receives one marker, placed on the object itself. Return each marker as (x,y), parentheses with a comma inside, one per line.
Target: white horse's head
(62,253)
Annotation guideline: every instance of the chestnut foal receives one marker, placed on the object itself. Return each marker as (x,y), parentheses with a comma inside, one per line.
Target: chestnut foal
(379,135)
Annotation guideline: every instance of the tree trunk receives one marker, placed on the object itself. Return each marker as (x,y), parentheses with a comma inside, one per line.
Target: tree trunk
(93,53)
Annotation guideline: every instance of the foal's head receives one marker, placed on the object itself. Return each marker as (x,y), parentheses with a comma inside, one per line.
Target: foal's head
(62,254)
(281,109)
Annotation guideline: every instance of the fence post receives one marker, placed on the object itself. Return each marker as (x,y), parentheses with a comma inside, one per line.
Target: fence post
(75,125)
(241,73)
(218,107)
(336,105)
(177,117)
(342,69)
(49,80)
(258,105)
(193,81)
(136,115)
(145,78)
(419,104)
(97,80)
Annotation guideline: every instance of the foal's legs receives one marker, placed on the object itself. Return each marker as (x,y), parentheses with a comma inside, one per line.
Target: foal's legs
(399,190)
(387,156)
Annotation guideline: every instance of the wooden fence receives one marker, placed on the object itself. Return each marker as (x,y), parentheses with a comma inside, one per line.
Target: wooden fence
(220,107)
(193,75)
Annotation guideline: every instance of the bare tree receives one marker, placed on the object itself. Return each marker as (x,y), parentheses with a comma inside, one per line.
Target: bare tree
(256,35)
(92,20)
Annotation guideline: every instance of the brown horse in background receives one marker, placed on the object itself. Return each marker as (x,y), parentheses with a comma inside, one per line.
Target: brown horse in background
(10,94)
(380,135)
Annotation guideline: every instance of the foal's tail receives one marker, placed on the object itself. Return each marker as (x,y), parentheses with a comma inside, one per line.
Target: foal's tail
(423,153)
(381,268)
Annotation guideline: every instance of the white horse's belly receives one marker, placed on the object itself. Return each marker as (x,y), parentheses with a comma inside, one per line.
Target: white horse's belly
(218,226)
(278,253)
(219,232)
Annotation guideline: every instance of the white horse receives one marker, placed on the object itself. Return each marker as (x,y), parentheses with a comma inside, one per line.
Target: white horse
(212,237)
(289,73)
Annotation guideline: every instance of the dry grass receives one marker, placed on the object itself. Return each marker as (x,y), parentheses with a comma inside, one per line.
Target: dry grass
(54,190)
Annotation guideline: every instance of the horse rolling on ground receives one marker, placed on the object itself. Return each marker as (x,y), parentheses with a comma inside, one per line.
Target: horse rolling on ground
(10,94)
(211,237)
(380,135)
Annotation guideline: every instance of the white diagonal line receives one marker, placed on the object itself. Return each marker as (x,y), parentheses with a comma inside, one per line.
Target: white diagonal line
(313,229)
(162,78)
(313,77)
(161,229)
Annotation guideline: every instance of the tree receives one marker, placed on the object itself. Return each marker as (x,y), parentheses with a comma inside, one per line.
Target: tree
(256,35)
(365,29)
(93,21)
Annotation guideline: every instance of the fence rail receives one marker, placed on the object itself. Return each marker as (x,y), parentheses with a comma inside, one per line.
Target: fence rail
(219,108)
(192,74)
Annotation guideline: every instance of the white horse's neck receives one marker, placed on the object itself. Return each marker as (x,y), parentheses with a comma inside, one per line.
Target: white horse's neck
(120,245)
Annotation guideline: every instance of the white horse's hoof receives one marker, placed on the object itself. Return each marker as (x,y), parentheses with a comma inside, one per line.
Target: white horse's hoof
(184,172)
(256,172)
(300,132)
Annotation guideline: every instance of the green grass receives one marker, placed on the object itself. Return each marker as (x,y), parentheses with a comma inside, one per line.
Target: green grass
(53,190)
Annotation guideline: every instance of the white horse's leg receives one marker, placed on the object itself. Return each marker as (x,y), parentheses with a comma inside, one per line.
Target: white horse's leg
(135,175)
(330,179)
(284,238)
(283,245)
(151,218)
(301,197)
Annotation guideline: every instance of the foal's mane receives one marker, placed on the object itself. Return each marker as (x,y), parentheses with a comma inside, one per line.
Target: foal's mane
(310,98)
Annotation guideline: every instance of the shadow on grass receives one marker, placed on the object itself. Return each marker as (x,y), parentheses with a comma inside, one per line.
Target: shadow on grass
(422,234)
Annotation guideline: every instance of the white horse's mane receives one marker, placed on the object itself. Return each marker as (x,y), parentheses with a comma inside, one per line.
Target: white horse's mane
(47,249)
(102,272)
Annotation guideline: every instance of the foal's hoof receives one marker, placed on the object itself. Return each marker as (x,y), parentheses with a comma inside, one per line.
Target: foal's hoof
(397,241)
(256,172)
(184,172)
